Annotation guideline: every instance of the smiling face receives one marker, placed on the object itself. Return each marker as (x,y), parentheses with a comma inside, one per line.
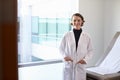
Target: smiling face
(77,21)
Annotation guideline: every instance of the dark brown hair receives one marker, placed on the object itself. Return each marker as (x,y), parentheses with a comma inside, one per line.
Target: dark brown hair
(79,15)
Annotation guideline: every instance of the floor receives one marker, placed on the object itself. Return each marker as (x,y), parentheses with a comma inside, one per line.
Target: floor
(42,72)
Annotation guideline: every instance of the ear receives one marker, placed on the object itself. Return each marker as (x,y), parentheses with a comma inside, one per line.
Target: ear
(71,23)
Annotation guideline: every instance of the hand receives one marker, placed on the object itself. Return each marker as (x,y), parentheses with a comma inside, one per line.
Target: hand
(81,62)
(68,59)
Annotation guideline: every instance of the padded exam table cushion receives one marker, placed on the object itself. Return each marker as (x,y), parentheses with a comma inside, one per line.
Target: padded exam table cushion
(108,68)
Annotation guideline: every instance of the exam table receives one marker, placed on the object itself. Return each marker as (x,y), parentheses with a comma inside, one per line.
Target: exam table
(108,67)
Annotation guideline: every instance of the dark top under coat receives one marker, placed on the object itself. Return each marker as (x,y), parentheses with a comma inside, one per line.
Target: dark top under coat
(77,34)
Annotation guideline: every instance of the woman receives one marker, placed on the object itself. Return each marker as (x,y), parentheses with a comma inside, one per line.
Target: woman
(76,49)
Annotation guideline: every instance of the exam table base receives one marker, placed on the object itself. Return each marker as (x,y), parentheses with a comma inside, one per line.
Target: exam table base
(96,76)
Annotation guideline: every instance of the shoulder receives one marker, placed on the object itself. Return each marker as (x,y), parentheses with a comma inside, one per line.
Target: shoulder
(68,33)
(86,34)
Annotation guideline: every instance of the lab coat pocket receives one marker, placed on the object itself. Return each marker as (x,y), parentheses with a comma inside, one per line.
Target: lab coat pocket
(81,72)
(81,67)
(68,64)
(68,70)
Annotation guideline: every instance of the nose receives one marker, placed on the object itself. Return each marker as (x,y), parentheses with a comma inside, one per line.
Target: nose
(76,22)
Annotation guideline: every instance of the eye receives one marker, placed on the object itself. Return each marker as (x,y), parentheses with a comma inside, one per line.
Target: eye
(78,20)
(74,20)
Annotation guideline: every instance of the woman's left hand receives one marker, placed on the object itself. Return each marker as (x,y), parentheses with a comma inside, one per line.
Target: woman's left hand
(81,62)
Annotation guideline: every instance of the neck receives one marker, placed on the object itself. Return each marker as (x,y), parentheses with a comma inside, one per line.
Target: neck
(77,28)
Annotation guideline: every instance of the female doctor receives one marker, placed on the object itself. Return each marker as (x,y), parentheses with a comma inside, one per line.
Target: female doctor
(76,49)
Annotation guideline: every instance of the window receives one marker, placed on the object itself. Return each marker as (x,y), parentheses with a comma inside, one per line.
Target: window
(42,24)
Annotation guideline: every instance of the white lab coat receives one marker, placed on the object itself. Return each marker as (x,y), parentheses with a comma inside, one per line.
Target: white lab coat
(73,71)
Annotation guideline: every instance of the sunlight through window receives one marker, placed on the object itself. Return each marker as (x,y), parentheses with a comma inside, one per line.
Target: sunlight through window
(42,23)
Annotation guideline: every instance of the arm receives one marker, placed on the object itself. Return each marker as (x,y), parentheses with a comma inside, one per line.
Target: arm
(62,47)
(63,51)
(89,51)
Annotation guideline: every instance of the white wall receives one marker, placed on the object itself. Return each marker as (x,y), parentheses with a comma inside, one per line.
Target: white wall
(112,20)
(92,10)
(102,22)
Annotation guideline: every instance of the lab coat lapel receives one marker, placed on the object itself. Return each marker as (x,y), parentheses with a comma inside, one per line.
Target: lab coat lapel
(73,37)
